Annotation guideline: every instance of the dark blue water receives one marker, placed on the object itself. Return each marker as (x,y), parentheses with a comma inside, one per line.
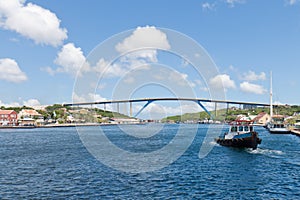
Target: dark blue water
(53,164)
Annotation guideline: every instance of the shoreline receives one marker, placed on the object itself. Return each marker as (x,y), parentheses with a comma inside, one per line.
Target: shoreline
(64,125)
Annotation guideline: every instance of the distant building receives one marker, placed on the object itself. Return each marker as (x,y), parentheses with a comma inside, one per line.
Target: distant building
(249,107)
(26,122)
(80,111)
(8,118)
(27,113)
(296,113)
(243,118)
(262,118)
(29,117)
(124,121)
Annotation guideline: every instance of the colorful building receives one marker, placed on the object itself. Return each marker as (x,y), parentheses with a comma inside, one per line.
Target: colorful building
(262,119)
(8,118)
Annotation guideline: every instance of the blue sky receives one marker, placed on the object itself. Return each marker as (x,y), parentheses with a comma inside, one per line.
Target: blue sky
(44,43)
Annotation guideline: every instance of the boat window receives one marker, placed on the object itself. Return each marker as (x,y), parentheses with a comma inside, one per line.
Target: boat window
(233,129)
(246,128)
(240,128)
(251,128)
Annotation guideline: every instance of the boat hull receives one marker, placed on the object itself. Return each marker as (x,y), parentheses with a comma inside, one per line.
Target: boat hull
(247,142)
(279,131)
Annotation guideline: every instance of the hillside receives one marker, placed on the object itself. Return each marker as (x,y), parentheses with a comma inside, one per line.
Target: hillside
(232,113)
(61,113)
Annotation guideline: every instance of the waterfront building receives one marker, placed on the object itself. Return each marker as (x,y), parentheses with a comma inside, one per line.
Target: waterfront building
(28,117)
(28,113)
(8,118)
(262,119)
(124,121)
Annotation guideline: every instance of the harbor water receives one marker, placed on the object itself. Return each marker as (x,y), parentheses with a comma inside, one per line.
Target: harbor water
(53,163)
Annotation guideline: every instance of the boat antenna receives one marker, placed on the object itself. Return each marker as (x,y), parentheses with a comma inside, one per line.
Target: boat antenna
(271,95)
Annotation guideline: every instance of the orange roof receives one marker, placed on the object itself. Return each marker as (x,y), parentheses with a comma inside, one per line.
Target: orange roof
(30,112)
(6,112)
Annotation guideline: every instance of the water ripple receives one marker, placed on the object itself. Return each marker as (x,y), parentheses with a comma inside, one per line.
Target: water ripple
(53,164)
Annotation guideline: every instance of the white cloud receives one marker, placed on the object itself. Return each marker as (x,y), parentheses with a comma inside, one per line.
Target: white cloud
(90,97)
(139,49)
(10,71)
(292,2)
(232,3)
(252,88)
(70,59)
(208,6)
(252,76)
(12,104)
(49,70)
(158,111)
(143,54)
(32,103)
(29,103)
(129,80)
(96,97)
(142,45)
(114,70)
(102,86)
(232,68)
(32,21)
(144,37)
(222,81)
(78,99)
(180,79)
(175,77)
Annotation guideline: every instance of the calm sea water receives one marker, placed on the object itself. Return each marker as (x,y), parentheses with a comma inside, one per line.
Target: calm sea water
(53,164)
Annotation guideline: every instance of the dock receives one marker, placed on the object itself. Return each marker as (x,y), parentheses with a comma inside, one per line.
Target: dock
(295,132)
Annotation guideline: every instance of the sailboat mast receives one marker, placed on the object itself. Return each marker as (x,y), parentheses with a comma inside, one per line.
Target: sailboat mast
(271,95)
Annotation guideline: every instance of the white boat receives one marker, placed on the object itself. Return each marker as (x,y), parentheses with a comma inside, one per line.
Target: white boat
(296,129)
(277,125)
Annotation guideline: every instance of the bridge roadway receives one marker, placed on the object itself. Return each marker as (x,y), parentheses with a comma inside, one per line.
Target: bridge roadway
(167,99)
(150,100)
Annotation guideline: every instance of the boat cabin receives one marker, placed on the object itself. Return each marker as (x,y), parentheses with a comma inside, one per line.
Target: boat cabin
(297,126)
(278,126)
(239,128)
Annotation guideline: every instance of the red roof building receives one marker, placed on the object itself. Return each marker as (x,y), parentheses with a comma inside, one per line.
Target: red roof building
(262,118)
(8,118)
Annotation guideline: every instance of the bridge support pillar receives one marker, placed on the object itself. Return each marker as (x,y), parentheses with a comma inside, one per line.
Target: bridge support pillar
(148,102)
(130,105)
(203,107)
(216,112)
(227,109)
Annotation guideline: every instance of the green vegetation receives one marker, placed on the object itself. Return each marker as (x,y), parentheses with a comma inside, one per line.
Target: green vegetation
(17,109)
(232,113)
(61,113)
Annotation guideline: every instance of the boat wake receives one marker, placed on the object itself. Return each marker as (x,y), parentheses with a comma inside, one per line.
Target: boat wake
(267,152)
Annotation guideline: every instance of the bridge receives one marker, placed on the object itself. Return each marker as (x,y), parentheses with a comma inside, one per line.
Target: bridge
(148,101)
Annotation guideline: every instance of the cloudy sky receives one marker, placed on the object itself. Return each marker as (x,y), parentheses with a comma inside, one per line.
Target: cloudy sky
(48,47)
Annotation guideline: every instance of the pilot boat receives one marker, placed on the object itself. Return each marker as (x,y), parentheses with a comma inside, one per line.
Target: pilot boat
(241,134)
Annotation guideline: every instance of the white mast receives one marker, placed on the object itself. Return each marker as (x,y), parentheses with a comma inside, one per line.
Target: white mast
(271,96)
